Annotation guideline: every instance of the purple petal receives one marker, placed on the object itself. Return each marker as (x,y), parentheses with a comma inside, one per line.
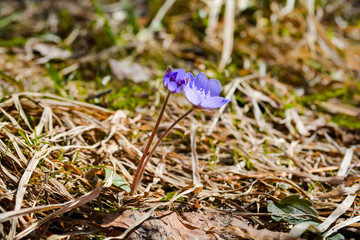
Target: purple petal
(180,74)
(192,95)
(214,102)
(172,86)
(179,89)
(214,87)
(173,75)
(165,81)
(191,77)
(200,81)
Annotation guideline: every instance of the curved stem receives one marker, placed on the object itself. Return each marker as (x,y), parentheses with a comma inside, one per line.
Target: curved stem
(137,176)
(159,141)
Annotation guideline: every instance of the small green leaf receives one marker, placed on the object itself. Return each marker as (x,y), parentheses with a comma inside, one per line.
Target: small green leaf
(290,206)
(117,181)
(56,78)
(9,19)
(301,205)
(336,236)
(169,196)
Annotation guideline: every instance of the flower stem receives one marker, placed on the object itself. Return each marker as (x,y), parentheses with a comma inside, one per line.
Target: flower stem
(157,144)
(141,163)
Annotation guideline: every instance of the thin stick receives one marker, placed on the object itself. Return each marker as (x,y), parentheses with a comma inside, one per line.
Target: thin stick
(160,14)
(228,35)
(135,184)
(146,150)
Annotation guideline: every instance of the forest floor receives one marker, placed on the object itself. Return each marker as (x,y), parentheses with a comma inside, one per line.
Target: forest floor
(81,89)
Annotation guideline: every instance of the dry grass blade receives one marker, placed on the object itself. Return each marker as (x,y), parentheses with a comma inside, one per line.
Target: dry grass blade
(342,225)
(155,23)
(289,7)
(214,8)
(44,120)
(336,108)
(194,158)
(4,149)
(8,116)
(18,106)
(292,115)
(228,37)
(298,230)
(146,34)
(70,205)
(22,184)
(258,114)
(6,216)
(345,164)
(341,209)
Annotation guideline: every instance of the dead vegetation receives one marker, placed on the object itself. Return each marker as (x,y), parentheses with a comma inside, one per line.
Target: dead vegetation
(280,161)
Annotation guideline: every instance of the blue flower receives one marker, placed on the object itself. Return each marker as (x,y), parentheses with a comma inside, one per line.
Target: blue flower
(175,80)
(204,93)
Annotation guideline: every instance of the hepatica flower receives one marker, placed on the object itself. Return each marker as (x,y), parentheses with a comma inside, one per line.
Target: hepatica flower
(200,91)
(175,81)
(204,93)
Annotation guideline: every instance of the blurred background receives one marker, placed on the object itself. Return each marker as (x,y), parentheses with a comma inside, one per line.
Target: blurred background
(114,53)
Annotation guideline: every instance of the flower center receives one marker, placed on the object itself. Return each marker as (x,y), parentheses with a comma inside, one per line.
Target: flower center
(202,93)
